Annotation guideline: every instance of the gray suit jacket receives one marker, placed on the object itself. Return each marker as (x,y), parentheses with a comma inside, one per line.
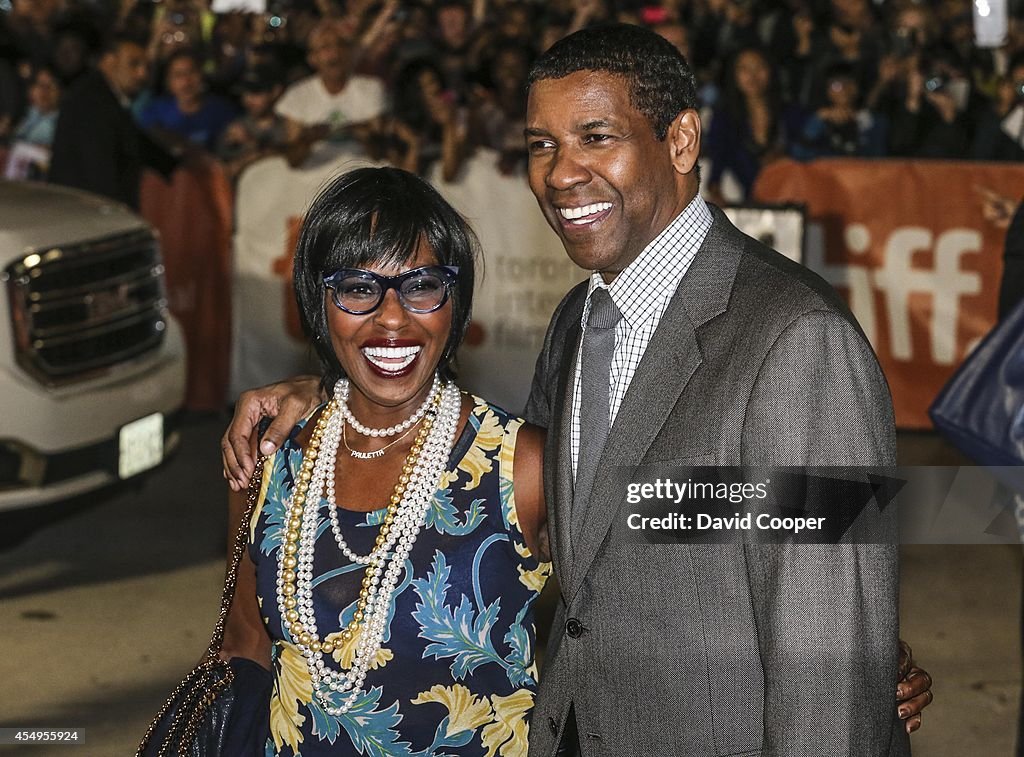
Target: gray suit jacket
(789,651)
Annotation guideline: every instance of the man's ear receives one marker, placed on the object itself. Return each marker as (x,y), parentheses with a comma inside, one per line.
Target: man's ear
(684,141)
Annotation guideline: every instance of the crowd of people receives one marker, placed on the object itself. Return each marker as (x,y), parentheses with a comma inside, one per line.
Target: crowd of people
(427,82)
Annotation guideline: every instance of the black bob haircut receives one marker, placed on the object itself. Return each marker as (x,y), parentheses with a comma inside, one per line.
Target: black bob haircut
(377,216)
(661,83)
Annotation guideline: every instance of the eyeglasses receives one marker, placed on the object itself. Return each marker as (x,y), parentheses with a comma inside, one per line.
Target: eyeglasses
(421,290)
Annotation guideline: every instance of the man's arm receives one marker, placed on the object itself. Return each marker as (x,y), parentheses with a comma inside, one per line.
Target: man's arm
(287,402)
(538,406)
(84,146)
(827,615)
(154,155)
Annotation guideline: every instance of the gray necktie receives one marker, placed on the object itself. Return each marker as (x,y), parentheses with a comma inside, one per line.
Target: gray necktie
(595,367)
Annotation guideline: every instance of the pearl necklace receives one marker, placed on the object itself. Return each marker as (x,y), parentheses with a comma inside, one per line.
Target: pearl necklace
(341,391)
(407,511)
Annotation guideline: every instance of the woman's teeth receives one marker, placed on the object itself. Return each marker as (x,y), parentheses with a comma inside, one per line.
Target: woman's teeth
(582,214)
(391,358)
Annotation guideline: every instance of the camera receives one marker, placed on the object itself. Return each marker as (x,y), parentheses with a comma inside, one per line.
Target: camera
(935,83)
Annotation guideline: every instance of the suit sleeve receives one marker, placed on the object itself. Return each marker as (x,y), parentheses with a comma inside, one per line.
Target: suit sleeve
(155,156)
(83,146)
(545,374)
(538,404)
(827,615)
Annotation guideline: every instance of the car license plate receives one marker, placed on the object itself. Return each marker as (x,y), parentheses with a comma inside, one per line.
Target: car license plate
(140,445)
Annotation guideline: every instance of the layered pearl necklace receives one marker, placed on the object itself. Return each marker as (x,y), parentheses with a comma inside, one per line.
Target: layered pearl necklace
(406,514)
(341,393)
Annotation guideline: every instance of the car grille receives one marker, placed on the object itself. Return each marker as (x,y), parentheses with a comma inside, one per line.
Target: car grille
(81,308)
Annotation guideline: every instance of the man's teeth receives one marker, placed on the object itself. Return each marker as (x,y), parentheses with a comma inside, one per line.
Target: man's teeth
(391,358)
(573,214)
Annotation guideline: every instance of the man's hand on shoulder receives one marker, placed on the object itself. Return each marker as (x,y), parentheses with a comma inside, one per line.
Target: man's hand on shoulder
(914,690)
(287,402)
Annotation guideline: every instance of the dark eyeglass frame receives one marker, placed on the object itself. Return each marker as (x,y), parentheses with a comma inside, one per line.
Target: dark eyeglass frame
(448,274)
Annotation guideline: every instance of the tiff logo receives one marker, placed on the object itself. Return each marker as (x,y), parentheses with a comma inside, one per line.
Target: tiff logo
(896,279)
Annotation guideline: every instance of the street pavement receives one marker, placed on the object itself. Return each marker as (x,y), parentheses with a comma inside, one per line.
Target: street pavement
(108,601)
(112,600)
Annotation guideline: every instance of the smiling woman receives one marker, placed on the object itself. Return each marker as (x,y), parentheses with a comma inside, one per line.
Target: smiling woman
(393,558)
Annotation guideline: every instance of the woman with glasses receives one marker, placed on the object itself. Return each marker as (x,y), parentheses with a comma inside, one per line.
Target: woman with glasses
(394,552)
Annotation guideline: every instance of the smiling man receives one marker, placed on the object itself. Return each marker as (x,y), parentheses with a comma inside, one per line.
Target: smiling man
(692,344)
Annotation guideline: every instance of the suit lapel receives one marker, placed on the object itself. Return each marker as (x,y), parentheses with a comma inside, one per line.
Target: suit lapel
(668,364)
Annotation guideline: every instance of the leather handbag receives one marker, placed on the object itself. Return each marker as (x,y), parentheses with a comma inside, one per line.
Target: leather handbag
(981,409)
(220,708)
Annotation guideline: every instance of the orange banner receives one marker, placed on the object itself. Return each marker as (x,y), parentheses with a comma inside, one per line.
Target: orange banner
(906,243)
(193,213)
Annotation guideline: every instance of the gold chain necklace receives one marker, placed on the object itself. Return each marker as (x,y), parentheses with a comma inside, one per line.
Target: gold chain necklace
(359,455)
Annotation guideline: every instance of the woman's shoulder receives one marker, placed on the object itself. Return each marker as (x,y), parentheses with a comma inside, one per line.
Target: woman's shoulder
(496,423)
(482,407)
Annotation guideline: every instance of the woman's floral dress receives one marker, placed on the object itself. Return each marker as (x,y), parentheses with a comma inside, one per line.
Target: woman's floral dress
(455,674)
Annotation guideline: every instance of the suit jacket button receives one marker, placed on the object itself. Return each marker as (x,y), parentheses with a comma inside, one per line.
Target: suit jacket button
(574,628)
(553,725)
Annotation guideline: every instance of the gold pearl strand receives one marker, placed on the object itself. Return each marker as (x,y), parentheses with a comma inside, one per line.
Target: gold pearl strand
(291,543)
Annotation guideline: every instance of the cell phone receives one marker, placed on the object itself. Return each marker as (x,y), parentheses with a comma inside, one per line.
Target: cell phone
(990,22)
(239,6)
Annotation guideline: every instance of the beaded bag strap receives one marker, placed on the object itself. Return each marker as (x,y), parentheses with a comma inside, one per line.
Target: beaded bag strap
(188,703)
(241,541)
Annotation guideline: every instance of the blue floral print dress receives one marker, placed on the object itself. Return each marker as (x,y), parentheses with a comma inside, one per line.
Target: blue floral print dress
(455,674)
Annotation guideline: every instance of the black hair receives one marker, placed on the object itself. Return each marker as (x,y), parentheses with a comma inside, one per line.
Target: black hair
(113,42)
(841,69)
(41,67)
(735,102)
(661,83)
(407,103)
(378,216)
(444,4)
(81,25)
(181,53)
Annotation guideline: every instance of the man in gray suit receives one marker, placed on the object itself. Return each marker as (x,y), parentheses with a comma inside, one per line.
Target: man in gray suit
(705,348)
(711,350)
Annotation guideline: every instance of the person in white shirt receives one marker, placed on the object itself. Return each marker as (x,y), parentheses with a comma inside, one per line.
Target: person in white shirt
(331,102)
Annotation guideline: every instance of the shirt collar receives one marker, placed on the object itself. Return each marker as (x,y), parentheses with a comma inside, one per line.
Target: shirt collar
(659,268)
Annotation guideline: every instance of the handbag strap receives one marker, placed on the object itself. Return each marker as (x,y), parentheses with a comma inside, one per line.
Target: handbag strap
(241,540)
